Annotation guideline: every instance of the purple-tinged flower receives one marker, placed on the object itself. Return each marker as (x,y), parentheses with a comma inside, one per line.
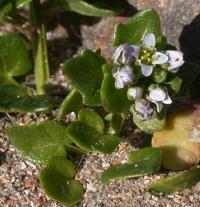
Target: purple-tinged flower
(159,97)
(149,56)
(175,60)
(126,54)
(123,76)
(143,108)
(134,93)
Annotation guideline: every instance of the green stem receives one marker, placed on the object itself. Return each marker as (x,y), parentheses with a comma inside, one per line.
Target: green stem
(72,103)
(116,124)
(42,73)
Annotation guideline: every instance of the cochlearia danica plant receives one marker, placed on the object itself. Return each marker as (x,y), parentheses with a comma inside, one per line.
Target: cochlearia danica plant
(146,81)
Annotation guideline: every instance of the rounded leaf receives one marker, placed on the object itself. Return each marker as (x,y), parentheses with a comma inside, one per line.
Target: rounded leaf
(85,75)
(14,56)
(91,118)
(143,23)
(89,139)
(40,142)
(114,100)
(58,187)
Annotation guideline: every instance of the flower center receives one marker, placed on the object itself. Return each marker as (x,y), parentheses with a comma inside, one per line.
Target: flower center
(146,56)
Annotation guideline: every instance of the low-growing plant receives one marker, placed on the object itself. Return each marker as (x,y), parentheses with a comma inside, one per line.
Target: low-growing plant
(144,80)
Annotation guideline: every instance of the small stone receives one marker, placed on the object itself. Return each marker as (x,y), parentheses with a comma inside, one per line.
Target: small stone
(23,166)
(105,165)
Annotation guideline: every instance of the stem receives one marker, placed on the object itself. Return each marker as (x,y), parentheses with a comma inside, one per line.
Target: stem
(41,69)
(72,103)
(116,124)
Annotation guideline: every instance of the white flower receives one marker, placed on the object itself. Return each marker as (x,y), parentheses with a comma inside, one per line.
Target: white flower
(123,76)
(126,54)
(159,97)
(149,56)
(143,108)
(175,60)
(134,93)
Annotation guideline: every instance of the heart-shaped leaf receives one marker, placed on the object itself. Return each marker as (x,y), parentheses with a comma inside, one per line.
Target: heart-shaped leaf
(85,75)
(144,22)
(56,177)
(89,139)
(152,125)
(141,162)
(84,7)
(14,56)
(7,6)
(91,118)
(16,99)
(40,142)
(176,183)
(114,100)
(72,103)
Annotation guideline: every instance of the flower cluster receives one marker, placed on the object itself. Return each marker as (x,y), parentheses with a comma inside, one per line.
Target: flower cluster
(128,58)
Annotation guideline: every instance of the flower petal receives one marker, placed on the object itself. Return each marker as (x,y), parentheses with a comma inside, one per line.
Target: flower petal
(140,108)
(143,107)
(160,58)
(127,75)
(119,83)
(115,71)
(123,76)
(134,93)
(149,40)
(175,59)
(118,52)
(146,69)
(135,50)
(168,100)
(157,95)
(159,106)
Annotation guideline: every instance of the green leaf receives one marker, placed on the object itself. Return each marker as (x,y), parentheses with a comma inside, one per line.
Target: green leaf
(148,154)
(72,103)
(41,66)
(84,7)
(16,99)
(152,125)
(63,165)
(174,83)
(141,162)
(57,183)
(40,142)
(176,183)
(114,100)
(159,75)
(89,139)
(14,56)
(85,75)
(7,6)
(91,118)
(144,22)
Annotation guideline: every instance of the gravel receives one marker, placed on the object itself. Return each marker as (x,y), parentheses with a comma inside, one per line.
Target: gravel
(20,178)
